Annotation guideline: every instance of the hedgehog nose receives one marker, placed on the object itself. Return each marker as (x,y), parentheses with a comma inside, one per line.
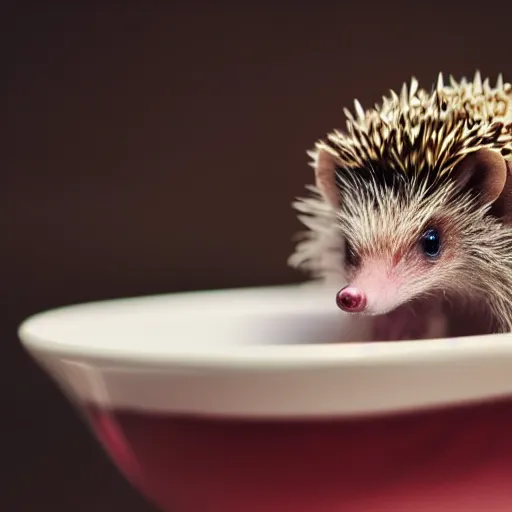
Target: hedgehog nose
(351,299)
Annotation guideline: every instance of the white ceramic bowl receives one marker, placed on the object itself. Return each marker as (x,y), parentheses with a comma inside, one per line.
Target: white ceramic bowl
(265,399)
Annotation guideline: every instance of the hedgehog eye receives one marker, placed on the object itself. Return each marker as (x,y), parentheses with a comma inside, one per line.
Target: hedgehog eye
(431,243)
(350,255)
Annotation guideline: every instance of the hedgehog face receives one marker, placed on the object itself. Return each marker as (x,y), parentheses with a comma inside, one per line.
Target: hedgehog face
(410,235)
(401,242)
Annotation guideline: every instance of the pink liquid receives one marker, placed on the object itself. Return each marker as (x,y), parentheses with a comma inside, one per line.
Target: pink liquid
(440,461)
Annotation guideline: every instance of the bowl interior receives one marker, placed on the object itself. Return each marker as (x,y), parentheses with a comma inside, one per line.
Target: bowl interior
(200,320)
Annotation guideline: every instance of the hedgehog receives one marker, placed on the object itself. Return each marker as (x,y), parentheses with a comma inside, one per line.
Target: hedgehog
(410,212)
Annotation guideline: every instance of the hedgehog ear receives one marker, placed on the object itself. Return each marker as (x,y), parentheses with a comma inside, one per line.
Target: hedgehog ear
(325,176)
(485,172)
(502,207)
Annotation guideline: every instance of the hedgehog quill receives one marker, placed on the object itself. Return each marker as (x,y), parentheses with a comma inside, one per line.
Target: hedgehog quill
(411,209)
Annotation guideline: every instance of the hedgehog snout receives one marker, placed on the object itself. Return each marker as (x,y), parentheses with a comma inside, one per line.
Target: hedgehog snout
(351,299)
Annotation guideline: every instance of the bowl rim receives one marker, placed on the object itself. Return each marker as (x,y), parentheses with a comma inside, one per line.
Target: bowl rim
(368,377)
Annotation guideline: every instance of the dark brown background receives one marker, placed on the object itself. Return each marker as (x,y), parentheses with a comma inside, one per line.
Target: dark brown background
(157,147)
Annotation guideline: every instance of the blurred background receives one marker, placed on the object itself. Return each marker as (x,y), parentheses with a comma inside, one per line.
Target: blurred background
(156,147)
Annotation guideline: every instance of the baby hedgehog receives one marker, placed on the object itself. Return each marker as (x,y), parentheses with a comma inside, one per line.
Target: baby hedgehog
(411,211)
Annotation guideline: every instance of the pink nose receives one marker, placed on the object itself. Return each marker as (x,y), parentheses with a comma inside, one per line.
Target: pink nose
(351,299)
